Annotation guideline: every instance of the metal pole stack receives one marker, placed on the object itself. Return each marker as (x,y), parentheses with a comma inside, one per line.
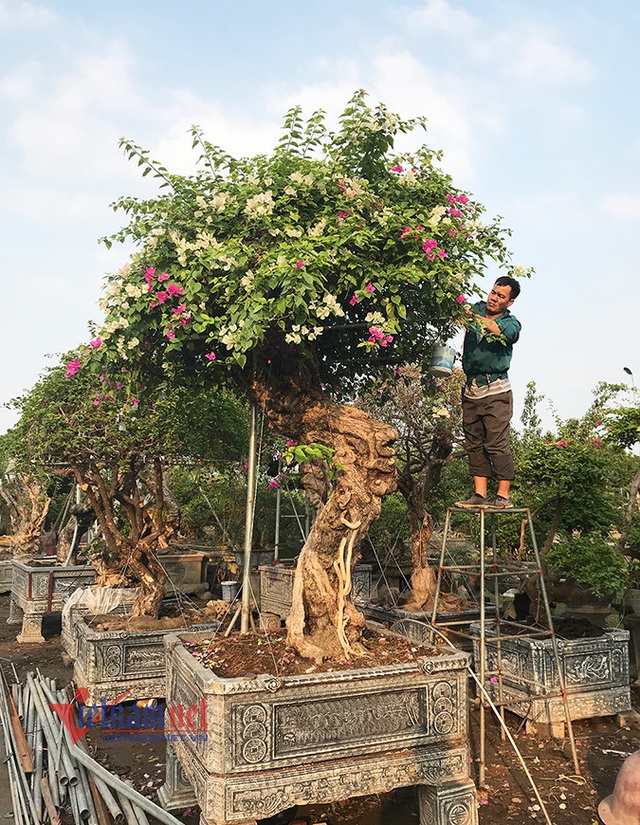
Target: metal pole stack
(48,772)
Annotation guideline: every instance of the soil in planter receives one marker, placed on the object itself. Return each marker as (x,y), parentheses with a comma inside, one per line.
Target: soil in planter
(258,653)
(171,617)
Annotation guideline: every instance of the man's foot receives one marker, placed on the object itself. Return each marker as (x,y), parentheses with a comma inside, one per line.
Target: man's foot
(499,503)
(475,500)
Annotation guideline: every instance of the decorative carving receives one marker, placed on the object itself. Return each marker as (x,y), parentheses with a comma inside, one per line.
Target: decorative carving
(303,726)
(111,661)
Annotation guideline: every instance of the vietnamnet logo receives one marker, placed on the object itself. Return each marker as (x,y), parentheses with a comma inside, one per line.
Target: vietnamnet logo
(138,721)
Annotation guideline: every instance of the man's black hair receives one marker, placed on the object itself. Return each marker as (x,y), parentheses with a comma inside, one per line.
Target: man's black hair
(505,280)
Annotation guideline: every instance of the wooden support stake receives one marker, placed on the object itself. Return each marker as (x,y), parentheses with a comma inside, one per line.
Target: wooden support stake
(54,816)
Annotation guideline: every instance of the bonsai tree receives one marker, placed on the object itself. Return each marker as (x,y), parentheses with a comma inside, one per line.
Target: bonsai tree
(116,447)
(25,498)
(427,415)
(301,274)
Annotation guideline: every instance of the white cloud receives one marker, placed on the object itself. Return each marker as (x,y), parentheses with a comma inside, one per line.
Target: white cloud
(440,16)
(14,14)
(622,205)
(541,61)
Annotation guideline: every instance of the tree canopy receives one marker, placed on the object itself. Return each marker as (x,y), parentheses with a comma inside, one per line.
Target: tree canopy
(334,248)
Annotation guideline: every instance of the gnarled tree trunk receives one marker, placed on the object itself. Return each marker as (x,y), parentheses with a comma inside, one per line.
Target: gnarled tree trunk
(324,622)
(28,505)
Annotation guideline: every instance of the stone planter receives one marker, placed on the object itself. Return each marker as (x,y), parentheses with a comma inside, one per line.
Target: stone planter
(6,575)
(595,670)
(72,613)
(39,588)
(276,587)
(185,571)
(274,742)
(116,662)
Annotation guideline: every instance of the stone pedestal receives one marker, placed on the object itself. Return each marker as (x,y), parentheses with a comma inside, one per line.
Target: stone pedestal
(177,791)
(454,803)
(275,742)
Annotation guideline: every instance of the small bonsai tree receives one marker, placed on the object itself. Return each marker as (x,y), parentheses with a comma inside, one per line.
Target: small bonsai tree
(302,274)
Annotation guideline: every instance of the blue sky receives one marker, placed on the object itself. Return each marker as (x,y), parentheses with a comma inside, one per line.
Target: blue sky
(533,103)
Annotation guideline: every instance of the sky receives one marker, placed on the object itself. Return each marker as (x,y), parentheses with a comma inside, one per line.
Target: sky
(533,102)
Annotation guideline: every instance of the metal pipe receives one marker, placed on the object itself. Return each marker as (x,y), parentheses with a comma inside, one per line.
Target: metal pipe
(127,807)
(121,787)
(109,799)
(64,757)
(512,741)
(483,659)
(248,521)
(37,773)
(51,734)
(554,645)
(16,762)
(140,815)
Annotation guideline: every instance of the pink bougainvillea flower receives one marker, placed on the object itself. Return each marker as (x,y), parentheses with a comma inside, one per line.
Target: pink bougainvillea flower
(163,276)
(397,168)
(97,342)
(153,304)
(300,264)
(354,300)
(184,320)
(162,297)
(174,289)
(443,254)
(461,299)
(343,213)
(118,385)
(455,213)
(370,287)
(134,402)
(453,233)
(462,199)
(406,231)
(429,244)
(450,198)
(597,424)
(72,368)
(274,483)
(210,356)
(170,334)
(179,309)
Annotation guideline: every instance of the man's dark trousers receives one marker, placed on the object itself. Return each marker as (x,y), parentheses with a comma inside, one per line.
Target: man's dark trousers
(486,430)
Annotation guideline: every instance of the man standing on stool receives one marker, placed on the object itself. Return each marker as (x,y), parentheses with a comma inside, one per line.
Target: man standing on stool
(487,401)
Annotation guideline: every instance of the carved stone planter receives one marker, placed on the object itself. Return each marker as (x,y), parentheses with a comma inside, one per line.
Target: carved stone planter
(274,742)
(595,670)
(276,587)
(73,612)
(6,574)
(114,662)
(38,588)
(185,571)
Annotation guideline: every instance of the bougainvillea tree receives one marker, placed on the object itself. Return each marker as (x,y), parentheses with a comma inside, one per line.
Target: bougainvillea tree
(85,425)
(302,273)
(427,414)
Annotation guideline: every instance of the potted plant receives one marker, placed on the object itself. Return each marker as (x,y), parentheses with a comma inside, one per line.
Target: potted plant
(298,276)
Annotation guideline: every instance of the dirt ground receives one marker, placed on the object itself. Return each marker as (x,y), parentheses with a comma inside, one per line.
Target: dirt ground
(601,743)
